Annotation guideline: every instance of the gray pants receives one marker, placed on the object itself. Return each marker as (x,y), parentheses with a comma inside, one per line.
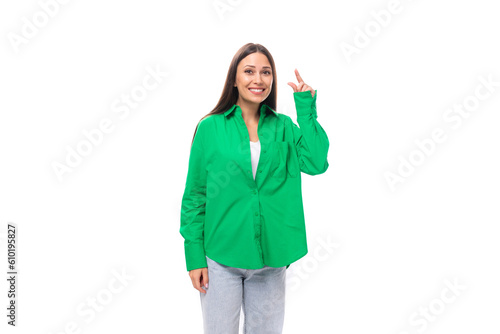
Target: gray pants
(259,292)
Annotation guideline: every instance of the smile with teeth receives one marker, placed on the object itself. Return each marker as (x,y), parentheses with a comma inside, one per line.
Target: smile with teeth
(256,91)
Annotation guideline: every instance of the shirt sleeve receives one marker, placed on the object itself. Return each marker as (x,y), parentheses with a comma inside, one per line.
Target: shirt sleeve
(193,203)
(310,139)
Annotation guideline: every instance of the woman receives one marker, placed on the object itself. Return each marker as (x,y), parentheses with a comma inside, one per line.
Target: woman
(242,216)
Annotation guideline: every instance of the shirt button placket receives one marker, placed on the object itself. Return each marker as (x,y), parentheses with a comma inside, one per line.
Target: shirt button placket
(254,192)
(257,221)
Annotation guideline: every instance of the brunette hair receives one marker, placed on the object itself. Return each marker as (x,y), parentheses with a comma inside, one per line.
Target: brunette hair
(230,93)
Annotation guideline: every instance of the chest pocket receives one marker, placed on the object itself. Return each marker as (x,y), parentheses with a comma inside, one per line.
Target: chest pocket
(284,161)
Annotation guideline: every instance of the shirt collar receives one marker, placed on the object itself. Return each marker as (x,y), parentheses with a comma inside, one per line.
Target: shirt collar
(238,109)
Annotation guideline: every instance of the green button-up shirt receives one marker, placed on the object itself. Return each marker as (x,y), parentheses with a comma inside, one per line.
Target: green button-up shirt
(244,222)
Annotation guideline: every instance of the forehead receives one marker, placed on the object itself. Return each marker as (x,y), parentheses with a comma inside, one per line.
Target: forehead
(255,60)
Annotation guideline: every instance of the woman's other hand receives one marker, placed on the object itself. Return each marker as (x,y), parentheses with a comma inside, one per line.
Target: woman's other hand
(199,278)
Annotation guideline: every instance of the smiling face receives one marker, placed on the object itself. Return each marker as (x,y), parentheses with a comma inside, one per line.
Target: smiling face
(254,79)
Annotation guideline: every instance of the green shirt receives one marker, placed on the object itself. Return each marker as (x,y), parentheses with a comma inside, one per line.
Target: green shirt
(234,219)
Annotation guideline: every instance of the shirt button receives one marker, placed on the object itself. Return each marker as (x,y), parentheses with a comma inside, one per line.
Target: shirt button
(256,213)
(255,192)
(260,171)
(248,171)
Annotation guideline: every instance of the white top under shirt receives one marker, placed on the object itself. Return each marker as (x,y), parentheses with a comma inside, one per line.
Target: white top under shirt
(255,155)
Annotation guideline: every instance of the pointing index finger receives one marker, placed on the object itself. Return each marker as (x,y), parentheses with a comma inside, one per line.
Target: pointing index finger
(299,78)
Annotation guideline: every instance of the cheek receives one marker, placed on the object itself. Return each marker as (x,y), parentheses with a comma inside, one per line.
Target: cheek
(244,83)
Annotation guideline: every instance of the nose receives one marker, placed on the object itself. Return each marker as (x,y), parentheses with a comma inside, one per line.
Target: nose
(258,79)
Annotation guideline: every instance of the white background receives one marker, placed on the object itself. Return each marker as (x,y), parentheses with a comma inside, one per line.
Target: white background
(119,209)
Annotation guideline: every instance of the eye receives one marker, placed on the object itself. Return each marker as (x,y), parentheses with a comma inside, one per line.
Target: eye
(266,71)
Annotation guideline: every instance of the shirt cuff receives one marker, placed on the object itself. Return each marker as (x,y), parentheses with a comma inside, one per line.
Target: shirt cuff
(195,256)
(305,103)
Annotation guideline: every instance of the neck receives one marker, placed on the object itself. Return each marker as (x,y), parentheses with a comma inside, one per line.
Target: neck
(249,111)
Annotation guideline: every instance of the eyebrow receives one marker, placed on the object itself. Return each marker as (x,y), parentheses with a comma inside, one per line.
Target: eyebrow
(254,66)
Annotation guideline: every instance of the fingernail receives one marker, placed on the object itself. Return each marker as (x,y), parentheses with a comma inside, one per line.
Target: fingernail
(206,285)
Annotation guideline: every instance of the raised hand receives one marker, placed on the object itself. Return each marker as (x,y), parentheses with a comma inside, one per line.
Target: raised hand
(302,87)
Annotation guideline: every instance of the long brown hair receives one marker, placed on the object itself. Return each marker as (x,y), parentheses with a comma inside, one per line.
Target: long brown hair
(230,93)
